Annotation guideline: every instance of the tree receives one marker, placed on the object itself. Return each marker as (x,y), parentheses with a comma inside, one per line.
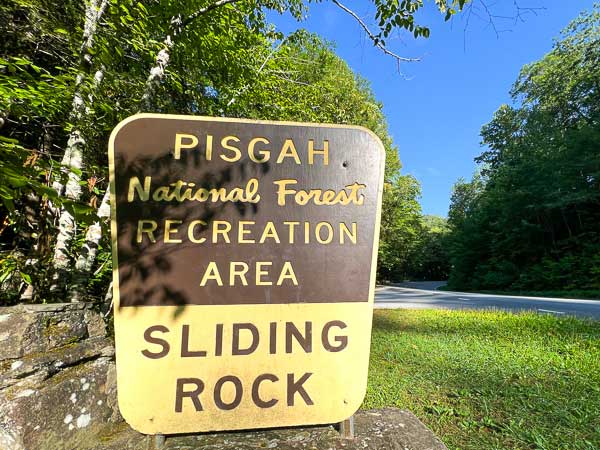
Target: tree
(532,222)
(400,227)
(429,259)
(69,72)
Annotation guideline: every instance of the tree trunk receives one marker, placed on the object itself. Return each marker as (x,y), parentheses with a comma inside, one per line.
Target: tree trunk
(87,255)
(73,157)
(161,61)
(157,72)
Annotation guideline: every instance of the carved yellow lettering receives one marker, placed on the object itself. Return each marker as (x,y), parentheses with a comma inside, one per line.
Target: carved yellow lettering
(242,232)
(169,230)
(252,195)
(235,272)
(287,273)
(329,229)
(318,196)
(282,191)
(235,195)
(236,151)
(328,197)
(191,228)
(266,154)
(302,197)
(136,187)
(201,195)
(187,194)
(217,195)
(288,149)
(148,227)
(291,228)
(179,137)
(312,152)
(344,231)
(211,273)
(161,194)
(221,227)
(354,194)
(260,273)
(209,147)
(269,232)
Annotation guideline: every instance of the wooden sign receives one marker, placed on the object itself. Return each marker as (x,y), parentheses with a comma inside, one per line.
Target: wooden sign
(244,257)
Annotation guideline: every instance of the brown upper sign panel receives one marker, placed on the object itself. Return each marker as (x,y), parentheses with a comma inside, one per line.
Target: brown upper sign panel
(219,211)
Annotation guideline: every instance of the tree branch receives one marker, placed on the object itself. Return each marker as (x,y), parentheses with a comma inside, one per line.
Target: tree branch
(203,11)
(520,12)
(157,72)
(260,69)
(373,38)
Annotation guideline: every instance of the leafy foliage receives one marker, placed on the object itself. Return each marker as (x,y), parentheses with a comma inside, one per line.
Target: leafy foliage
(531,220)
(70,71)
(429,259)
(400,227)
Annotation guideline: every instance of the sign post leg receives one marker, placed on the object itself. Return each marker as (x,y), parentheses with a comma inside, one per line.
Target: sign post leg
(159,441)
(347,428)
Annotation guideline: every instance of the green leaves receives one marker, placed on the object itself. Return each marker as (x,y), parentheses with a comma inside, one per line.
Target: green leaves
(531,222)
(82,212)
(222,60)
(401,15)
(26,277)
(400,227)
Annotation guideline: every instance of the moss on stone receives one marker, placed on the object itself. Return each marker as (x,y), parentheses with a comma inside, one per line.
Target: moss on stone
(5,365)
(66,374)
(54,327)
(112,431)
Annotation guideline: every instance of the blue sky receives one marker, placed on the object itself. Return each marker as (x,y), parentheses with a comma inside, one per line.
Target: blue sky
(436,107)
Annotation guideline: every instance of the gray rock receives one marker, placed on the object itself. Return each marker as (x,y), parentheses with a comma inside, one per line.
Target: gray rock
(31,329)
(31,369)
(57,383)
(383,429)
(66,411)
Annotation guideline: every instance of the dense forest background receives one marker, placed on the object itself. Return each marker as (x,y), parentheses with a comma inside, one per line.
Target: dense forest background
(70,71)
(529,220)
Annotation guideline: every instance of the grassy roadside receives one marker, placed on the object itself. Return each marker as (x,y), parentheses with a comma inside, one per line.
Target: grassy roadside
(578,294)
(490,380)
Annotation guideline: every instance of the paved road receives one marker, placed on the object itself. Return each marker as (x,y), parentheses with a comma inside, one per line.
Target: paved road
(424,296)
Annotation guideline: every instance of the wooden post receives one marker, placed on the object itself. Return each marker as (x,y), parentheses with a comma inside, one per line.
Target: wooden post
(347,428)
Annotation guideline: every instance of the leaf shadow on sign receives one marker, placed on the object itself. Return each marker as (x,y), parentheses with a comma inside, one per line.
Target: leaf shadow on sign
(147,276)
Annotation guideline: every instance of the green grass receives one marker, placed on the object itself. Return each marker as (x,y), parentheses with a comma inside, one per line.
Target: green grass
(490,380)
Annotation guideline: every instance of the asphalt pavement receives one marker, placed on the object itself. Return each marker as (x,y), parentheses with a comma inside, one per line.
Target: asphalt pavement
(423,295)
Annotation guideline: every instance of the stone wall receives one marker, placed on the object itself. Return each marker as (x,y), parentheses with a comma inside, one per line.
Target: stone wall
(57,377)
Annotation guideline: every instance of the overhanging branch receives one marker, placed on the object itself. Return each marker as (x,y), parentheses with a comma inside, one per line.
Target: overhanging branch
(372,37)
(189,19)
